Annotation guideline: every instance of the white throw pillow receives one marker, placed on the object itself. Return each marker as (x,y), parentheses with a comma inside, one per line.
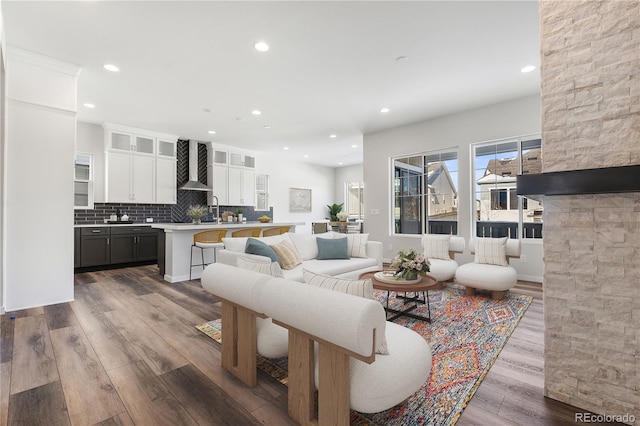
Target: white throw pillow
(305,245)
(235,244)
(436,246)
(357,245)
(491,251)
(289,257)
(272,268)
(362,288)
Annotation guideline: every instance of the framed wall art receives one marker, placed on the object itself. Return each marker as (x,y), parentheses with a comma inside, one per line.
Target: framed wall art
(299,200)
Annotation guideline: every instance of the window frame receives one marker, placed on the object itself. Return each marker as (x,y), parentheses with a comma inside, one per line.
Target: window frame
(522,200)
(425,191)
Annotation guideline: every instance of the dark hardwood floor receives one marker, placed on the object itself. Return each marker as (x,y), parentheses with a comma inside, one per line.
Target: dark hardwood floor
(126,352)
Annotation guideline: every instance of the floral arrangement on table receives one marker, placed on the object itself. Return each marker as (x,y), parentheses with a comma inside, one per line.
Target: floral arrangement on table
(197,212)
(409,264)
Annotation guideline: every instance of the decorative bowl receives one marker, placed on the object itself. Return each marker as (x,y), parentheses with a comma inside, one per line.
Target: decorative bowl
(264,220)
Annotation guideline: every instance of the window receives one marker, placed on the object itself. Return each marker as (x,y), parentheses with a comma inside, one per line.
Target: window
(426,193)
(500,212)
(262,192)
(82,183)
(354,199)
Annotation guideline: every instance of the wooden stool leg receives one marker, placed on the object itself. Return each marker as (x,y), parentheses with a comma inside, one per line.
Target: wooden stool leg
(498,295)
(333,387)
(301,387)
(239,343)
(469,291)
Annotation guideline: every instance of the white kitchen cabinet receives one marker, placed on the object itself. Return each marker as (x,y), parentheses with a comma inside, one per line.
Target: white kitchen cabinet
(220,183)
(130,178)
(140,166)
(242,186)
(166,180)
(240,159)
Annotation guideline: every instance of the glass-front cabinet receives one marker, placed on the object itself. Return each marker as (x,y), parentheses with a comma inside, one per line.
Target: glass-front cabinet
(83,182)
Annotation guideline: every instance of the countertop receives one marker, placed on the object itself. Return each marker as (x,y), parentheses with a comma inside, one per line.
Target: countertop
(222,225)
(116,225)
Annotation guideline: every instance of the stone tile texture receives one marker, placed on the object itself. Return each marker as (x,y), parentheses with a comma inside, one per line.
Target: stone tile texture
(591,119)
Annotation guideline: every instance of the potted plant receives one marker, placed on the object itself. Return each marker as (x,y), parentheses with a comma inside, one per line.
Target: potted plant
(197,212)
(238,214)
(334,209)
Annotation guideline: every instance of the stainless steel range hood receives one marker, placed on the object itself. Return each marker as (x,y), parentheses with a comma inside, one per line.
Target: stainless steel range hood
(193,184)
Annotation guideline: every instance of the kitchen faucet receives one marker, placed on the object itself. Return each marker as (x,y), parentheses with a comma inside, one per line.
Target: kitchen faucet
(217,206)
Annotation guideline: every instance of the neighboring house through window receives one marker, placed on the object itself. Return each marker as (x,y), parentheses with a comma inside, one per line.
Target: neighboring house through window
(426,193)
(499,210)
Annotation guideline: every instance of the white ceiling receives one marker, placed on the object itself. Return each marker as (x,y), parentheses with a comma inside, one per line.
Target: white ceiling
(331,67)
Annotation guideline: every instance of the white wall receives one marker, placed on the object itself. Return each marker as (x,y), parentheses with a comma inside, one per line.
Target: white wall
(3,157)
(458,131)
(91,141)
(41,135)
(290,174)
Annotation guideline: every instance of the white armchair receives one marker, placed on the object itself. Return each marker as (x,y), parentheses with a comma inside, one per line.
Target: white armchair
(491,269)
(440,250)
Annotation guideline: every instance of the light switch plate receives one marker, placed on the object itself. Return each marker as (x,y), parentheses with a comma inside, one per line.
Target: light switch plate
(149,219)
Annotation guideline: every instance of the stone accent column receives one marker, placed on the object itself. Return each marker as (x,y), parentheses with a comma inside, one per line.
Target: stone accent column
(591,119)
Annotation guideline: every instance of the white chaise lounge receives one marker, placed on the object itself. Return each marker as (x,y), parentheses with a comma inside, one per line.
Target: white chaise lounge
(345,331)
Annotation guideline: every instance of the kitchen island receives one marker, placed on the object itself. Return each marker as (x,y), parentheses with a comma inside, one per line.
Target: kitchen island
(175,245)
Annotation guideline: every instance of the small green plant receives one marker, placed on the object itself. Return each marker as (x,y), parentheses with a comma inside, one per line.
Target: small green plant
(334,209)
(237,212)
(197,212)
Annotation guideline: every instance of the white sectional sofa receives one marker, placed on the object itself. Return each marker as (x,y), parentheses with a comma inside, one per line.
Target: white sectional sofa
(369,254)
(333,343)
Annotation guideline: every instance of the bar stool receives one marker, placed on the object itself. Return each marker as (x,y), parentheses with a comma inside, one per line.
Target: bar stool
(247,232)
(277,230)
(211,238)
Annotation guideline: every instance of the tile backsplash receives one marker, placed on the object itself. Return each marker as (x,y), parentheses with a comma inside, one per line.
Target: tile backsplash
(136,212)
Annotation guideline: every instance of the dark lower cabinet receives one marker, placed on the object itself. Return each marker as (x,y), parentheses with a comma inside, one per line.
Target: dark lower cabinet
(94,246)
(147,247)
(105,245)
(133,244)
(76,246)
(123,248)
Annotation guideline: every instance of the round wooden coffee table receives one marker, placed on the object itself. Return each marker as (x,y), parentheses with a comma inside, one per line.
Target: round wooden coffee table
(400,286)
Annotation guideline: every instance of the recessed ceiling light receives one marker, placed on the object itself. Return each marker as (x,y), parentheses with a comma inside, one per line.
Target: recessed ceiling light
(256,112)
(212,132)
(340,164)
(384,110)
(354,146)
(528,68)
(261,46)
(402,59)
(266,126)
(89,105)
(332,136)
(286,148)
(306,156)
(111,67)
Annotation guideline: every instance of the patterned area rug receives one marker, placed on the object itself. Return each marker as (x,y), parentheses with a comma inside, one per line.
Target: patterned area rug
(466,335)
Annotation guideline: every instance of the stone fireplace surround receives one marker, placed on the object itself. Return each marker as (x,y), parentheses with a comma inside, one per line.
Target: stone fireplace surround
(590,69)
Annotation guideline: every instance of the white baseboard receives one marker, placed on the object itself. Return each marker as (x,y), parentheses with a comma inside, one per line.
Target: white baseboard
(532,278)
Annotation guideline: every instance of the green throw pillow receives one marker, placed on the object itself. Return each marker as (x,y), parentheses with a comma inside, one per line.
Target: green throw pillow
(258,247)
(329,248)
